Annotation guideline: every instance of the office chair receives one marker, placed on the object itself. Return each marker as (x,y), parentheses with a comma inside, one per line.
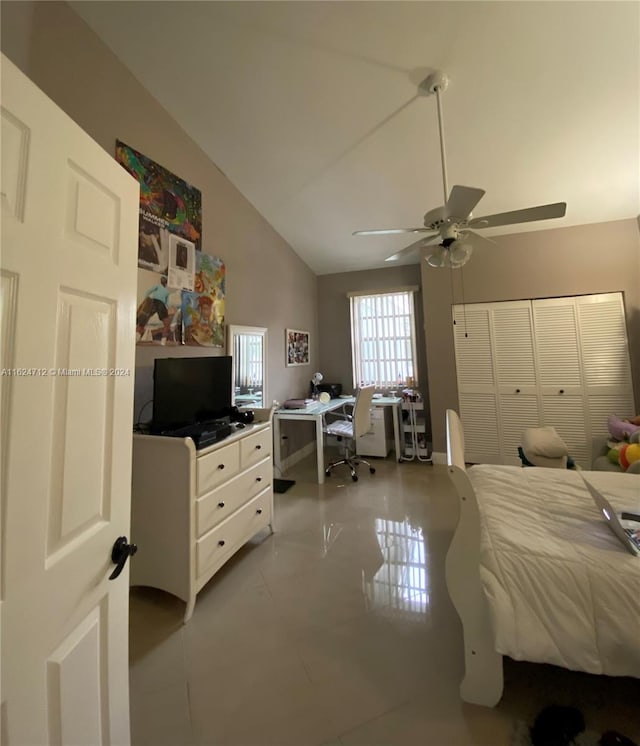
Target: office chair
(352,427)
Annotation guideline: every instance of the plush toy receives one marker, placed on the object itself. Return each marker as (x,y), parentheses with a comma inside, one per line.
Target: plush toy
(620,428)
(628,455)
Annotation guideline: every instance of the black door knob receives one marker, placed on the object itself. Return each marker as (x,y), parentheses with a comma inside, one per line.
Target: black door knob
(120,553)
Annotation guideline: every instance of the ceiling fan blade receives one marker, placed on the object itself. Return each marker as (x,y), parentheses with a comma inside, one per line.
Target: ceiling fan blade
(414,248)
(542,212)
(387,231)
(461,201)
(477,239)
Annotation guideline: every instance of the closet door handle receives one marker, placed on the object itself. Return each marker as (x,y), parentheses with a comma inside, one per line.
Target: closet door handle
(221,543)
(259,511)
(517,391)
(258,448)
(221,505)
(258,479)
(561,391)
(220,466)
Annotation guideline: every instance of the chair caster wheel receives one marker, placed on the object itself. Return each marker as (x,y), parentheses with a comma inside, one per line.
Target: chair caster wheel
(355,478)
(372,470)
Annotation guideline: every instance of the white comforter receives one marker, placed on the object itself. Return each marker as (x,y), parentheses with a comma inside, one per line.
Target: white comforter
(561,587)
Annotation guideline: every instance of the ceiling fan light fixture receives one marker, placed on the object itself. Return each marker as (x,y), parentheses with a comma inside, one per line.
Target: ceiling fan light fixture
(460,253)
(438,258)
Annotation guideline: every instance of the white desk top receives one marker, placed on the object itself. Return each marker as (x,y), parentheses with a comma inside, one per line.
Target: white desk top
(318,408)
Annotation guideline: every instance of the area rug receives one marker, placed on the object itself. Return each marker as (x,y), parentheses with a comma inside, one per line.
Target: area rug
(520,736)
(282,485)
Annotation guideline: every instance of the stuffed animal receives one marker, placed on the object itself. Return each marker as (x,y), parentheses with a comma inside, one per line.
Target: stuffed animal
(626,456)
(629,455)
(621,428)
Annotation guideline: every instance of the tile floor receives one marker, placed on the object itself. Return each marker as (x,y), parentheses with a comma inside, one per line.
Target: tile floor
(336,631)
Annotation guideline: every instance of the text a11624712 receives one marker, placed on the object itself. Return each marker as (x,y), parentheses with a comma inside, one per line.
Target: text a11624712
(64,372)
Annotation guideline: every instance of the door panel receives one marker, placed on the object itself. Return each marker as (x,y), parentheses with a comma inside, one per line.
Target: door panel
(77,694)
(603,339)
(69,240)
(513,342)
(479,415)
(472,338)
(556,337)
(517,413)
(566,413)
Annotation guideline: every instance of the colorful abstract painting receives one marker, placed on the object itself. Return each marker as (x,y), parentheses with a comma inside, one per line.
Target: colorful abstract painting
(203,309)
(168,205)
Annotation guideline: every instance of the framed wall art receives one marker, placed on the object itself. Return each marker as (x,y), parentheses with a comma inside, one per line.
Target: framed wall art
(297,347)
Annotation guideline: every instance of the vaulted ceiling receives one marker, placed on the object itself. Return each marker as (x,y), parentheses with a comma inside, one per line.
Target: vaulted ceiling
(311,108)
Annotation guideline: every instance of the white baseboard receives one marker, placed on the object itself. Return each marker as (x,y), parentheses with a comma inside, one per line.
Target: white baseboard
(439,458)
(301,453)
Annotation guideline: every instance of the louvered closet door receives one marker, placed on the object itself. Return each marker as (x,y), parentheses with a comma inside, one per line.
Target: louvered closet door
(477,383)
(560,373)
(605,356)
(516,373)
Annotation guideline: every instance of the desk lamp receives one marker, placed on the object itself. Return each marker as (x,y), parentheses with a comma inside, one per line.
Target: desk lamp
(315,380)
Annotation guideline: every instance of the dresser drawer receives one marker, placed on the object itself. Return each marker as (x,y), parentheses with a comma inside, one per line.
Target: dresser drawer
(255,447)
(215,468)
(217,505)
(221,542)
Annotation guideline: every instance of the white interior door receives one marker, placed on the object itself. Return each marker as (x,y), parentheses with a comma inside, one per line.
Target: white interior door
(69,246)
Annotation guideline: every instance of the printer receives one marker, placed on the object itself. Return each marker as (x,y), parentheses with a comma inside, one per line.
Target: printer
(333,389)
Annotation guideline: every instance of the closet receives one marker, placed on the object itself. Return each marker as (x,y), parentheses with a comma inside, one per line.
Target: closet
(553,361)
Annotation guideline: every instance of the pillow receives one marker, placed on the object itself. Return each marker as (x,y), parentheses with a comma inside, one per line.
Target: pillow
(620,429)
(543,441)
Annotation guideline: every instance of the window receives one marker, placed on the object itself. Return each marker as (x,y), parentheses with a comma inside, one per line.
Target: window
(383,339)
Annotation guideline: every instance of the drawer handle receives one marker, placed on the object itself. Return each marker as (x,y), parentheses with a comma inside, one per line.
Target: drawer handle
(221,505)
(220,466)
(221,543)
(517,391)
(258,448)
(258,479)
(259,511)
(561,391)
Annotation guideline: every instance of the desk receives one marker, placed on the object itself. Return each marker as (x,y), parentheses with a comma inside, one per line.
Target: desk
(314,413)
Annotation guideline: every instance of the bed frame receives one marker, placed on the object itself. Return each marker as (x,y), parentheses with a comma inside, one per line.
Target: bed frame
(483,681)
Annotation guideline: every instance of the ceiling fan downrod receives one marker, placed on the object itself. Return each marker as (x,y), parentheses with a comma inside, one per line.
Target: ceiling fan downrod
(437,83)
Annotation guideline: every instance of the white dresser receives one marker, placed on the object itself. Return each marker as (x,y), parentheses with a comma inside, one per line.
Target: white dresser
(192,510)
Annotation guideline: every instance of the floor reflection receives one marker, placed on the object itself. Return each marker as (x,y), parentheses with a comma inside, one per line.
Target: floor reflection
(402,582)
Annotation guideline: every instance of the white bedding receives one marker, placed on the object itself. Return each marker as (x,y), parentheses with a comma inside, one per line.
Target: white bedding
(561,587)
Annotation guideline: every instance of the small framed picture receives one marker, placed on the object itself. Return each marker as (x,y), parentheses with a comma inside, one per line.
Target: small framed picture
(297,347)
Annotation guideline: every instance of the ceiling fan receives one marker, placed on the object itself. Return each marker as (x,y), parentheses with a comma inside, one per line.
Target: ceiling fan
(451,225)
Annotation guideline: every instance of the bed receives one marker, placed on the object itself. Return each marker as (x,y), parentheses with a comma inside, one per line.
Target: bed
(535,573)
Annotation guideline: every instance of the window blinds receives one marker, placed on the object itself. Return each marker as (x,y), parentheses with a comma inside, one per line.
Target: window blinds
(248,352)
(383,339)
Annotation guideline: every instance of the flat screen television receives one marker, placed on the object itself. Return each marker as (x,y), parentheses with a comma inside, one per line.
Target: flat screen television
(189,390)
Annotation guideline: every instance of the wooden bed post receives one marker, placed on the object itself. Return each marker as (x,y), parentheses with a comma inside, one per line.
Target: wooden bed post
(483,680)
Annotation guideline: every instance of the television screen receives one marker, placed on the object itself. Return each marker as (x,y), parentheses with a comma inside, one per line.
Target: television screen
(187,390)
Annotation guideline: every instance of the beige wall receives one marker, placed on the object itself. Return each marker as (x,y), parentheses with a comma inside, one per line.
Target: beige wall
(334,318)
(598,258)
(267,283)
